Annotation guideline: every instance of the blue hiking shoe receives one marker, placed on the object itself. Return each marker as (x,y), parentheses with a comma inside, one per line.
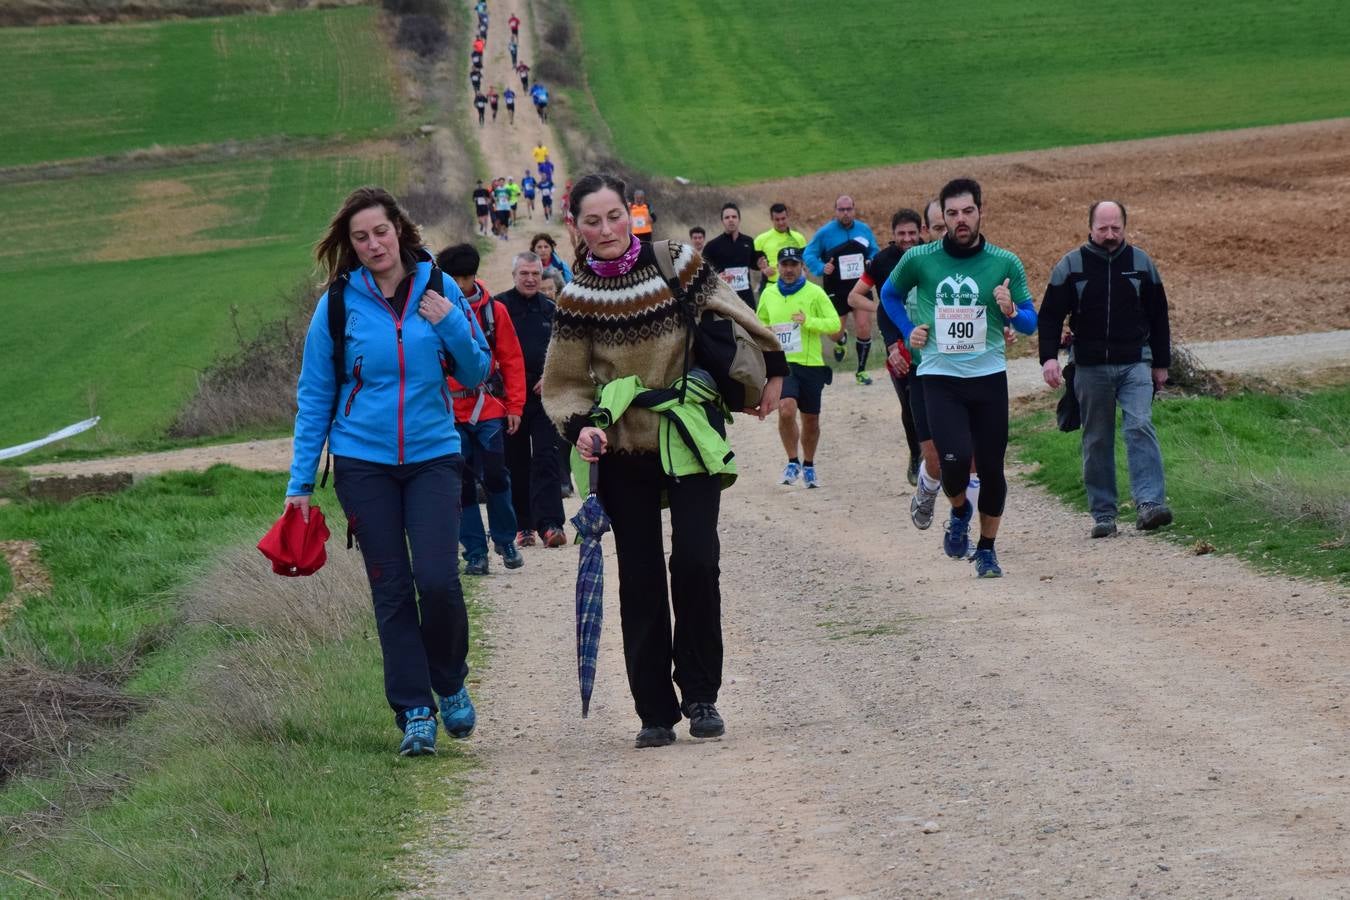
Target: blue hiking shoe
(458,715)
(419,732)
(986,564)
(809,476)
(791,472)
(956,542)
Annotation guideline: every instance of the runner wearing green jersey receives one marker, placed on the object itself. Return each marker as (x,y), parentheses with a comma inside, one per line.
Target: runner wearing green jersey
(967,291)
(799,312)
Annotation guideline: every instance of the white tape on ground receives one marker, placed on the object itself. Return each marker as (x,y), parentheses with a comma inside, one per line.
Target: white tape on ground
(68,431)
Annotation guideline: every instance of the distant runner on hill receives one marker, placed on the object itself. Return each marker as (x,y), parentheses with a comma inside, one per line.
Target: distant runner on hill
(768,243)
(514,24)
(501,209)
(509,97)
(733,255)
(539,94)
(524,72)
(515,196)
(642,216)
(546,197)
(480,104)
(838,253)
(513,46)
(698,237)
(527,187)
(492,101)
(482,207)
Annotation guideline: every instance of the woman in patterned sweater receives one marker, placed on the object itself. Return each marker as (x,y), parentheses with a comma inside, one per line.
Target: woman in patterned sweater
(618,318)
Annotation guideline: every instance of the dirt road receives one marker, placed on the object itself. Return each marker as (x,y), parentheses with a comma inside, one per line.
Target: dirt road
(1112,718)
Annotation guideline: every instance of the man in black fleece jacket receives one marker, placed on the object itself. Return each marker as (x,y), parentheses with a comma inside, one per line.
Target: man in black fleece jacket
(1114,299)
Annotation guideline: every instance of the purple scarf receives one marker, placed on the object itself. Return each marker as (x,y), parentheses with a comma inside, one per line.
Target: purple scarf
(613,268)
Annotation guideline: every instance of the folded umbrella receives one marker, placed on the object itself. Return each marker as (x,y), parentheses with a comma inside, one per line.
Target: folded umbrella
(591,522)
(294,546)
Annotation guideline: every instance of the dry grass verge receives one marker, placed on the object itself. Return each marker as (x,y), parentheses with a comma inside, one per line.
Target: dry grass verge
(48,715)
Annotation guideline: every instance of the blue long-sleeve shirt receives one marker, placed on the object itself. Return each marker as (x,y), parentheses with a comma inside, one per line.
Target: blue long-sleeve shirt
(831,235)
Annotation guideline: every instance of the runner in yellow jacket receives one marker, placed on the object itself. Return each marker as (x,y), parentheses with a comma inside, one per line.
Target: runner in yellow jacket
(799,312)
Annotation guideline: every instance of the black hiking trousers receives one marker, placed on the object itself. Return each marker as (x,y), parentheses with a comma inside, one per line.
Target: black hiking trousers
(630,490)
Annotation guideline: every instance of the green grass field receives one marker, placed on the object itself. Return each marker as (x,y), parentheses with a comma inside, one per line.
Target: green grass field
(760,89)
(261,744)
(80,91)
(126,291)
(1251,474)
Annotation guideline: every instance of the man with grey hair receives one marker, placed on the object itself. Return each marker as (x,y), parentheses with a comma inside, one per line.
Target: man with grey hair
(1114,300)
(531,453)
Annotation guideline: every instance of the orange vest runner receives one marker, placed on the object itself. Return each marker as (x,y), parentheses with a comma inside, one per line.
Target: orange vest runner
(642,218)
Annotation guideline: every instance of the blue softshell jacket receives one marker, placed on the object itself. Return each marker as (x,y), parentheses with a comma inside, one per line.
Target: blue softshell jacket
(394,406)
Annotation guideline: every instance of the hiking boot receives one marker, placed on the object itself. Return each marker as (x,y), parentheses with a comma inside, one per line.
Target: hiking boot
(655,736)
(704,720)
(912,473)
(419,733)
(553,537)
(809,476)
(1152,515)
(525,538)
(476,565)
(1104,528)
(458,714)
(840,348)
(863,378)
(791,472)
(511,557)
(956,542)
(986,564)
(921,508)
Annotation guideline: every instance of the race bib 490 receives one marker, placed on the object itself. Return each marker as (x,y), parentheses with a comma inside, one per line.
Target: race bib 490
(960,329)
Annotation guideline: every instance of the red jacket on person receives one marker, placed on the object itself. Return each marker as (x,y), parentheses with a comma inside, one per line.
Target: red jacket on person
(507,360)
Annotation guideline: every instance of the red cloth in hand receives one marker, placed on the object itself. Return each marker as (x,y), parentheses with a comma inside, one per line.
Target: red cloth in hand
(295,546)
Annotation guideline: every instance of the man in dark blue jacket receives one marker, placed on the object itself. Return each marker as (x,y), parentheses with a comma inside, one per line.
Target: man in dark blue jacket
(532,452)
(1113,297)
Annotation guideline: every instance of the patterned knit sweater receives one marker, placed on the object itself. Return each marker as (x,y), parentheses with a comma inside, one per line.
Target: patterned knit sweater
(609,328)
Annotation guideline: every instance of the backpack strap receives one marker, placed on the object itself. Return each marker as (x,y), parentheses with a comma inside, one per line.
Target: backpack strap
(666,266)
(337,333)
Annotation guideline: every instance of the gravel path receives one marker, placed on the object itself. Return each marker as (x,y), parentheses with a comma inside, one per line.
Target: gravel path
(1113,717)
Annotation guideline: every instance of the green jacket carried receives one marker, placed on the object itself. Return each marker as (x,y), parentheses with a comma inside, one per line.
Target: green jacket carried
(692,432)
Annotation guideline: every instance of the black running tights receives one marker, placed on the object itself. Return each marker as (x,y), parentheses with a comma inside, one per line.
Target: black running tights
(969,418)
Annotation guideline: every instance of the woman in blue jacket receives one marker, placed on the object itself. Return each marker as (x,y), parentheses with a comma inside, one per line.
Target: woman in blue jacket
(390,427)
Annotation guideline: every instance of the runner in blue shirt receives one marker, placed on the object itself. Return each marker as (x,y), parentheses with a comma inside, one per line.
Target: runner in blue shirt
(838,254)
(527,186)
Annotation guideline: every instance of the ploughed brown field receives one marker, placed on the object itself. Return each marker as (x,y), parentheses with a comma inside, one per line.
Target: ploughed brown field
(1250,229)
